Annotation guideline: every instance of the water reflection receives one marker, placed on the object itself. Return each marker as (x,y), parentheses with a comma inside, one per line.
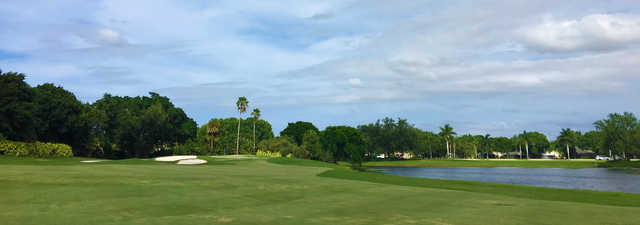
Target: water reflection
(602,179)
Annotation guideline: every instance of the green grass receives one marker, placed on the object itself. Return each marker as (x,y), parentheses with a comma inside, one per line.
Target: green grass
(278,191)
(620,163)
(572,164)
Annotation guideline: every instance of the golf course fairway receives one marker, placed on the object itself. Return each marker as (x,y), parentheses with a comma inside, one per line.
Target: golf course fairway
(281,191)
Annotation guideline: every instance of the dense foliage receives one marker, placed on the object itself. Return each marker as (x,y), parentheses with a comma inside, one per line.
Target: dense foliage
(297,130)
(35,149)
(221,135)
(112,127)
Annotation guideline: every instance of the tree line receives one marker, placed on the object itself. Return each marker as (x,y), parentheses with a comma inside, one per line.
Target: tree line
(146,126)
(111,127)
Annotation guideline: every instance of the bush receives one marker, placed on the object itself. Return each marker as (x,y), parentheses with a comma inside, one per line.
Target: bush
(37,149)
(268,154)
(284,146)
(190,147)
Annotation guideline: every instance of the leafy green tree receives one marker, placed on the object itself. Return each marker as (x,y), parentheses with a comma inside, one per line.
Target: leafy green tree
(405,137)
(485,144)
(618,134)
(242,105)
(59,117)
(535,143)
(466,144)
(139,126)
(388,136)
(297,130)
(379,136)
(502,144)
(17,119)
(311,143)
(256,116)
(447,134)
(589,140)
(569,139)
(344,143)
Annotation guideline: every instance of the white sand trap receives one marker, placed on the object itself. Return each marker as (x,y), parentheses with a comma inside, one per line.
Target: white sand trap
(175,158)
(192,161)
(92,161)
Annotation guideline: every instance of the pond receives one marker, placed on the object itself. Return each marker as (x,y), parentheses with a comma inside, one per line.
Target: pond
(600,179)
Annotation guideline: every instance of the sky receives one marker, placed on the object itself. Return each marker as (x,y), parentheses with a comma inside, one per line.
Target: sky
(483,66)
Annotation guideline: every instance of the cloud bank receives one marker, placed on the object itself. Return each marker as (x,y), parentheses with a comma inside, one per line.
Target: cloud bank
(483,66)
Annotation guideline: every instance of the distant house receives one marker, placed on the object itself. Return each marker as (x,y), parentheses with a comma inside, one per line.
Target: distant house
(397,155)
(508,155)
(585,153)
(513,155)
(403,155)
(551,155)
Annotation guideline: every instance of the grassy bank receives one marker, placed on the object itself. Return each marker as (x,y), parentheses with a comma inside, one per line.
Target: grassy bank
(573,164)
(279,191)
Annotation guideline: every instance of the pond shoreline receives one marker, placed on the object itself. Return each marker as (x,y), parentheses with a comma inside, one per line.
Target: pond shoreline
(533,163)
(622,180)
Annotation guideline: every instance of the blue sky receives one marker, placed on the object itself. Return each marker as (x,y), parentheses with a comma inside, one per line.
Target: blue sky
(485,66)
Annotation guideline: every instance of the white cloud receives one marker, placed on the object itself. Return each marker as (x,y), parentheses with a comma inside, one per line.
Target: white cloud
(355,82)
(109,36)
(592,32)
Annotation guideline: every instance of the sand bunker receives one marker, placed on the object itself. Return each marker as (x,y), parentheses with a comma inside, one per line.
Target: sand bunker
(191,161)
(92,161)
(175,158)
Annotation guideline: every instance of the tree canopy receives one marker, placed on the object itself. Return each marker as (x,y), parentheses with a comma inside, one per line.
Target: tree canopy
(297,130)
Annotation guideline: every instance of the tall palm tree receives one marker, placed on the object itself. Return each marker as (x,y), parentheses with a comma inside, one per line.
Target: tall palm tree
(256,116)
(518,141)
(566,138)
(447,133)
(242,105)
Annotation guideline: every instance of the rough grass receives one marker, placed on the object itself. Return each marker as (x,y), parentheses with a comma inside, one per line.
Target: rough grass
(571,164)
(283,192)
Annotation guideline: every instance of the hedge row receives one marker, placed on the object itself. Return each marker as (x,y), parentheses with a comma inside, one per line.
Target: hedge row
(37,149)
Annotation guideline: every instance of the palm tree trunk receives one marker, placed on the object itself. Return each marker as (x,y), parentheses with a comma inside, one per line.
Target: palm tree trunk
(238,137)
(254,135)
(520,148)
(568,154)
(527,147)
(454,150)
(475,149)
(448,155)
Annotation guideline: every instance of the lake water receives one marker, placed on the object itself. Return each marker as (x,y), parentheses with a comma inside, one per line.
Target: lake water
(601,179)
